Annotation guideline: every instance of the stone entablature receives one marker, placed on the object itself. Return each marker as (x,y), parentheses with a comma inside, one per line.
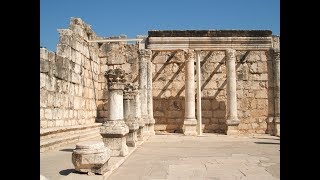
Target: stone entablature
(210,40)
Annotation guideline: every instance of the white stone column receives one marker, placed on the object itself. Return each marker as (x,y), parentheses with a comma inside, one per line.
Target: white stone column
(232,113)
(129,116)
(199,109)
(190,122)
(114,131)
(137,113)
(276,76)
(144,55)
(150,99)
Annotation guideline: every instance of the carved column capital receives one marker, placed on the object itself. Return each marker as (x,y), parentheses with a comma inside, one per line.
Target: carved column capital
(128,93)
(230,54)
(144,54)
(276,54)
(189,54)
(115,78)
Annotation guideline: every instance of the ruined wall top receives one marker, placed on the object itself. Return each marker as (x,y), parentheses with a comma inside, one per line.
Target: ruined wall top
(210,33)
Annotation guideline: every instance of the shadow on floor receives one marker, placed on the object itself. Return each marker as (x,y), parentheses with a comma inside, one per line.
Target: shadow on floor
(266,143)
(67,150)
(267,138)
(67,172)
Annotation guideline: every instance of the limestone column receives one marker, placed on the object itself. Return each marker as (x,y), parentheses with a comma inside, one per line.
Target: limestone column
(199,109)
(114,130)
(276,76)
(190,122)
(150,99)
(232,113)
(137,114)
(129,119)
(144,55)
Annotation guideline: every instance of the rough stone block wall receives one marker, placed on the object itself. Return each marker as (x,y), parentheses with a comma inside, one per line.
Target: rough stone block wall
(115,55)
(254,69)
(69,85)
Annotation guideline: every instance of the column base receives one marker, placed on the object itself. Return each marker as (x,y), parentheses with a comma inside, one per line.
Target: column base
(118,146)
(140,133)
(150,125)
(190,127)
(232,128)
(277,126)
(270,126)
(114,137)
(132,138)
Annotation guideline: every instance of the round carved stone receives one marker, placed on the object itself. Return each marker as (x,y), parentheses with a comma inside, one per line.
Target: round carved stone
(90,156)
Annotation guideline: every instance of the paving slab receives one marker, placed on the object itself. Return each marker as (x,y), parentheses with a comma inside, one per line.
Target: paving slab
(175,156)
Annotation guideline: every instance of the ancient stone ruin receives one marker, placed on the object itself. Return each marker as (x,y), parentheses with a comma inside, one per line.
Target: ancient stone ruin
(188,81)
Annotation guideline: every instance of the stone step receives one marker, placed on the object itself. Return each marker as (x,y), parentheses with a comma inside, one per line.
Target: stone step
(54,143)
(68,133)
(53,140)
(66,130)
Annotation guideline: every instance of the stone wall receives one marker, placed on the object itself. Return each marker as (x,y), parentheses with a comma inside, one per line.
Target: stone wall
(69,85)
(112,56)
(73,88)
(253,72)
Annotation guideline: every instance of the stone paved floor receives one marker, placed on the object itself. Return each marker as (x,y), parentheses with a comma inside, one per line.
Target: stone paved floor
(174,156)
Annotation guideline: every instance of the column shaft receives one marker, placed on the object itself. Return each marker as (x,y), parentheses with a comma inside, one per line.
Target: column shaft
(232,113)
(199,109)
(276,81)
(190,122)
(115,130)
(144,56)
(150,99)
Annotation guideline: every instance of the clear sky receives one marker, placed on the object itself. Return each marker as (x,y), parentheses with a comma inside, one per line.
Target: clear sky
(136,17)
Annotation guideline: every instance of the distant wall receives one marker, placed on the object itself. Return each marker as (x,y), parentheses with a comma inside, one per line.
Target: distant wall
(254,74)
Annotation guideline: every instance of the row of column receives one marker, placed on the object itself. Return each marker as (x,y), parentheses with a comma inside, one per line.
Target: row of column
(130,115)
(137,122)
(190,122)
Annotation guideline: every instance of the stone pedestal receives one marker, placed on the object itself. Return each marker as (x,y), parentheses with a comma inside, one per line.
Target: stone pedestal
(144,56)
(129,118)
(232,113)
(190,122)
(276,75)
(91,157)
(114,131)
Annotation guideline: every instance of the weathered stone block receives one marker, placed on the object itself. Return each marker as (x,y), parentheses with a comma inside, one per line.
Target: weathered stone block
(91,156)
(43,53)
(207,114)
(44,66)
(174,114)
(261,94)
(219,113)
(48,114)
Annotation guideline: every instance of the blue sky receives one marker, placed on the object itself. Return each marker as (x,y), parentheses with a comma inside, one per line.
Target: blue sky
(136,17)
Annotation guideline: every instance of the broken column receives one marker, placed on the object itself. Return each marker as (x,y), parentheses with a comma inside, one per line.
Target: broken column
(129,118)
(232,113)
(150,99)
(91,157)
(190,122)
(144,55)
(276,76)
(114,131)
